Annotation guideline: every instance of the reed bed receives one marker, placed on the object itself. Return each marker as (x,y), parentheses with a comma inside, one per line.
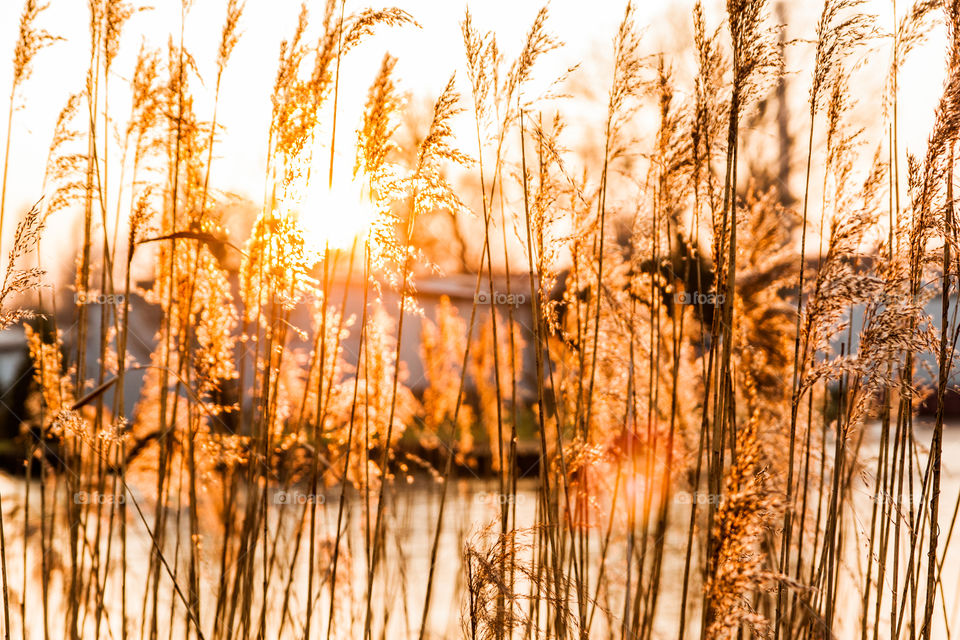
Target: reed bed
(738,397)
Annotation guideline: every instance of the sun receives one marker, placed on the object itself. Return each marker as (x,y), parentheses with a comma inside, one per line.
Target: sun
(334,218)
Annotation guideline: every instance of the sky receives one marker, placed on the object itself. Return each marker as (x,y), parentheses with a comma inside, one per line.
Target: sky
(427,57)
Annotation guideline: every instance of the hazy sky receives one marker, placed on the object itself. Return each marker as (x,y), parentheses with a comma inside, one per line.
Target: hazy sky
(427,57)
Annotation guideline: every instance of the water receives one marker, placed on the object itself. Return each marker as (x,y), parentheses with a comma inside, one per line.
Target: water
(473,506)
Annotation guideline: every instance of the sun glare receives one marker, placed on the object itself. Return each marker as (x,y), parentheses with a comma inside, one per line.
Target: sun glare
(335,217)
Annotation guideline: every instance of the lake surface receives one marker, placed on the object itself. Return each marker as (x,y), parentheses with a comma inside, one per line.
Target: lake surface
(410,522)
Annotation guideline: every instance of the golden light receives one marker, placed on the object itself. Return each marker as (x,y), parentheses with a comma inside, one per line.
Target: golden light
(334,217)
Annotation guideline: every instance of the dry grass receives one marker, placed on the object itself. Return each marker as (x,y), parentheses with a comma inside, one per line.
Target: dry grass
(710,372)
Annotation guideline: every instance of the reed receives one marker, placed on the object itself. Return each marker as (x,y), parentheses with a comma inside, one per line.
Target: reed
(700,414)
